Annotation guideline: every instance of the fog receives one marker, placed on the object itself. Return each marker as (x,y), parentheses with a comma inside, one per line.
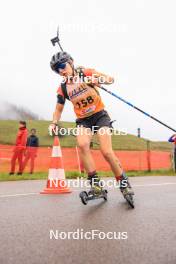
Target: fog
(132,40)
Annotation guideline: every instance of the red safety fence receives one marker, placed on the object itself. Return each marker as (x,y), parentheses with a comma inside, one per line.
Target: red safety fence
(130,160)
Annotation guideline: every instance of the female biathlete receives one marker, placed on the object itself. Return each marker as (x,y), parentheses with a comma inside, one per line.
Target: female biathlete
(91,116)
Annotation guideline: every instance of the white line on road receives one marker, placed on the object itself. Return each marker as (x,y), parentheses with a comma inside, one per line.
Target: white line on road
(17,194)
(135,185)
(154,184)
(147,185)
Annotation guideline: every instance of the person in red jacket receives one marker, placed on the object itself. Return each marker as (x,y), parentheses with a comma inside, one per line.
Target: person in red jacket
(20,146)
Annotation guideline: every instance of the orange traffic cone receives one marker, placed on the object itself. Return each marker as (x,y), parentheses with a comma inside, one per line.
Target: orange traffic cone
(56,178)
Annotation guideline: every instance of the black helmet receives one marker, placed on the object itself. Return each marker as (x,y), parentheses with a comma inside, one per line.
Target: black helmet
(60,57)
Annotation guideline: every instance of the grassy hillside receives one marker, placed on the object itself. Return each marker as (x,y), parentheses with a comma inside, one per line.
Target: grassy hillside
(8,130)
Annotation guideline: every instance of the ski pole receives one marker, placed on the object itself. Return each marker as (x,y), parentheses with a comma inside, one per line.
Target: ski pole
(57,40)
(138,109)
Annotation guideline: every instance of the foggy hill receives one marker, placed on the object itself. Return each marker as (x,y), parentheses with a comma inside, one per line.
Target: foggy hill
(10,111)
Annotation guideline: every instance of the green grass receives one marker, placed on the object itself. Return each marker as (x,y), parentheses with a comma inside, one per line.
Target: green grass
(8,130)
(76,174)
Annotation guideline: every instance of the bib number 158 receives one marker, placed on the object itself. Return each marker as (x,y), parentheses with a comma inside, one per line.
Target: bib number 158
(85,102)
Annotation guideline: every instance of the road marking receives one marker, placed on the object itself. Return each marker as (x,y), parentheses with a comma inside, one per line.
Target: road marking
(154,184)
(17,194)
(135,185)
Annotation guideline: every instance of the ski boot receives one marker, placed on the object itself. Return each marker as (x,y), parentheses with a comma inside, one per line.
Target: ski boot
(126,189)
(96,191)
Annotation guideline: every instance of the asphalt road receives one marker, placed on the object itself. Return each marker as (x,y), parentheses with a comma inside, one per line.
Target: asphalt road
(26,218)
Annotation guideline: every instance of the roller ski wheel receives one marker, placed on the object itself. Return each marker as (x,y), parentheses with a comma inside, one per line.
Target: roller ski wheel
(129,198)
(84,196)
(105,195)
(92,195)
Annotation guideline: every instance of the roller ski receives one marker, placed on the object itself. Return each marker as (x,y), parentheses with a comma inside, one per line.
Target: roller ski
(126,190)
(96,191)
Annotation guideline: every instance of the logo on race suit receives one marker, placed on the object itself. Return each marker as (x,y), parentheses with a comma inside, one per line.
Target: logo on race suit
(76,92)
(88,110)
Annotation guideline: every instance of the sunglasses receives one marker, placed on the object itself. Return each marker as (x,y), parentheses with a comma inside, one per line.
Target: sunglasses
(60,66)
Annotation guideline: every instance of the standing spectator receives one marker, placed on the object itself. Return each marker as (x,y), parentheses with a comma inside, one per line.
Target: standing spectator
(31,150)
(20,146)
(173,139)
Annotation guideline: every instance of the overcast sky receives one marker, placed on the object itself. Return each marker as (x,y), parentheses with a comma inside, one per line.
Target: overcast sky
(133,40)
